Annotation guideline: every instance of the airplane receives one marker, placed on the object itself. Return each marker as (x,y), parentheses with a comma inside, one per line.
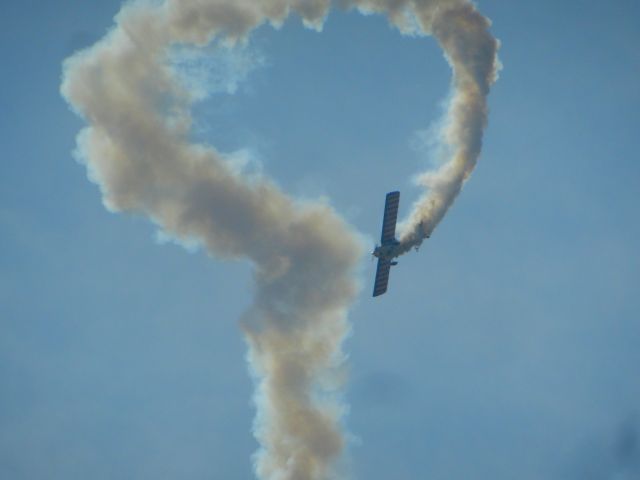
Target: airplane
(389,245)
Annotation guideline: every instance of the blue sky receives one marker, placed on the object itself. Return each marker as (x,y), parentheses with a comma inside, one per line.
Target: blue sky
(507,348)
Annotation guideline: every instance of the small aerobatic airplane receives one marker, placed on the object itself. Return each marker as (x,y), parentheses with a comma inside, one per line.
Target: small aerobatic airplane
(389,245)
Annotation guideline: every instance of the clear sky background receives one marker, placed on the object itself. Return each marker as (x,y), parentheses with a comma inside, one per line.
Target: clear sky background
(508,347)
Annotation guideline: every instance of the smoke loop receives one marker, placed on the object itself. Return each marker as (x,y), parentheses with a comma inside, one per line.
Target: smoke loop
(137,149)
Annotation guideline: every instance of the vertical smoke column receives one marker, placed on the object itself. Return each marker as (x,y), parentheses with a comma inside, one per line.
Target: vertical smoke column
(137,149)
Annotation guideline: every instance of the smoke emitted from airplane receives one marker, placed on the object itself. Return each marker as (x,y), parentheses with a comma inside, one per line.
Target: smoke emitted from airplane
(471,51)
(138,148)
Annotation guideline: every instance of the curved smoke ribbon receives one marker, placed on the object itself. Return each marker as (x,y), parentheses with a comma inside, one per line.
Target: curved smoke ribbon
(137,148)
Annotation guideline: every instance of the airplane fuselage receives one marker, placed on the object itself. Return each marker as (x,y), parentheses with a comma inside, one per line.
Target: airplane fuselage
(389,247)
(388,250)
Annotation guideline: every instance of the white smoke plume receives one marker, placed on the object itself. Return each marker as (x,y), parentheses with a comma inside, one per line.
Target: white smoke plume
(471,50)
(137,148)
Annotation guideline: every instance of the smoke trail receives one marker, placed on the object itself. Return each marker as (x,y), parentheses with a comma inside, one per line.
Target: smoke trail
(137,148)
(471,51)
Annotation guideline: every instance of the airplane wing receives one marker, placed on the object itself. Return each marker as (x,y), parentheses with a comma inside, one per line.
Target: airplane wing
(382,277)
(390,217)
